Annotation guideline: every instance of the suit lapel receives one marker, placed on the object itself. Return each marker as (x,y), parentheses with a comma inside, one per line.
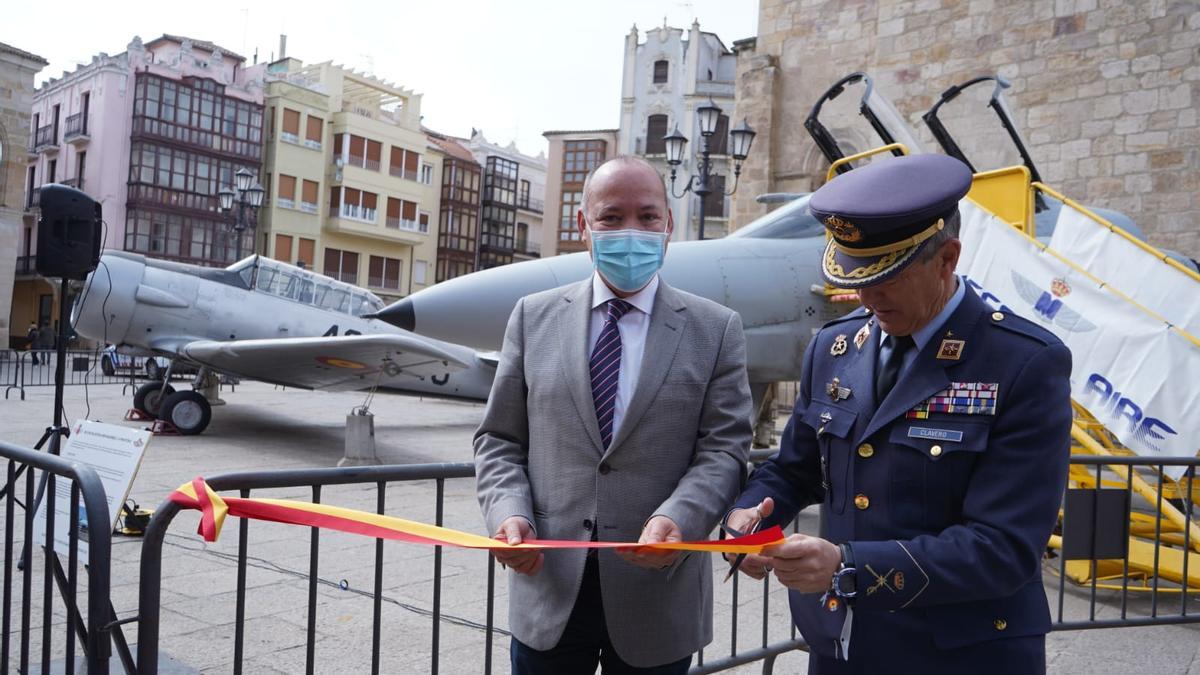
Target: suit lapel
(573,327)
(927,375)
(662,340)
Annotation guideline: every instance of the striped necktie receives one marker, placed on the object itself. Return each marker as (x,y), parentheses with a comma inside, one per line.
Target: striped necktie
(605,367)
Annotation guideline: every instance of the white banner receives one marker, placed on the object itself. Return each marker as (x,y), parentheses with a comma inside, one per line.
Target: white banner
(1110,257)
(1135,374)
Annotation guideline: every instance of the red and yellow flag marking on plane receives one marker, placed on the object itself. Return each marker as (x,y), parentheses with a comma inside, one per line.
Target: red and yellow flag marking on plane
(214,508)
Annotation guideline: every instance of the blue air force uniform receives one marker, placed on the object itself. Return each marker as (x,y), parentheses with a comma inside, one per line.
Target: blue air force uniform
(946,491)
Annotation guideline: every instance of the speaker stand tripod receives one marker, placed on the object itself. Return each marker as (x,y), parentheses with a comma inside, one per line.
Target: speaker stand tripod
(55,434)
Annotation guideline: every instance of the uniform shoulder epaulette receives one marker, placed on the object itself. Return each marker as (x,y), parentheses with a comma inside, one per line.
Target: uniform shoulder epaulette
(1021,326)
(859,312)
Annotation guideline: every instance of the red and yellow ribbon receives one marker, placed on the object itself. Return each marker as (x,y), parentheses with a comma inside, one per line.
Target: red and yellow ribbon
(214,508)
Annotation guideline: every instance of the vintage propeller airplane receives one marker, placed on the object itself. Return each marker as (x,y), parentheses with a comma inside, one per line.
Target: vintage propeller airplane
(263,320)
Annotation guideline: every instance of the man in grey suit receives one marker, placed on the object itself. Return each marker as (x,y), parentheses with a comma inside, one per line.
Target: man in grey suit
(620,412)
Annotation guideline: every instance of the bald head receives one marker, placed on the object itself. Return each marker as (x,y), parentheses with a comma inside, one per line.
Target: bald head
(626,166)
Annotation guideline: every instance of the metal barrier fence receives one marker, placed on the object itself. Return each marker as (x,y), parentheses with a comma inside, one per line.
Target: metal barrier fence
(94,632)
(1146,562)
(22,369)
(1136,544)
(149,601)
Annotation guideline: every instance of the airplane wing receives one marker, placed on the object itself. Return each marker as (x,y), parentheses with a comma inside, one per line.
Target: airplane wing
(329,363)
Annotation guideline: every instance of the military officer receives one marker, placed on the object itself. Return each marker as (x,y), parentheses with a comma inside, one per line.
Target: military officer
(934,433)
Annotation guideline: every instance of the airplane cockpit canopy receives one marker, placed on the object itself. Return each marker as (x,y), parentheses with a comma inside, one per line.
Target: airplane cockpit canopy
(288,281)
(790,221)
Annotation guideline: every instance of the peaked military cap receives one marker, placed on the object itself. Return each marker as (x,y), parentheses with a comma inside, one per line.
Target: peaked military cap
(881,215)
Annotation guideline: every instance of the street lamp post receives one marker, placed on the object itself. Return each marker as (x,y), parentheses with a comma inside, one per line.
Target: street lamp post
(248,193)
(740,138)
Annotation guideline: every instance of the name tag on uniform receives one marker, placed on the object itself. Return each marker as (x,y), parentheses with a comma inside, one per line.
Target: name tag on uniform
(935,434)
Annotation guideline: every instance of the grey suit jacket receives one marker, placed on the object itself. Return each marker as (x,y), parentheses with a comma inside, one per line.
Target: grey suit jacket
(680,451)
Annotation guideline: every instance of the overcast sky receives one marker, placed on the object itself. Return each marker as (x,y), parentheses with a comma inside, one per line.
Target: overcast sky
(513,69)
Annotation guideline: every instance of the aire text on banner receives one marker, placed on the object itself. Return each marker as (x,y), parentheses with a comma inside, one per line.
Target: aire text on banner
(1134,373)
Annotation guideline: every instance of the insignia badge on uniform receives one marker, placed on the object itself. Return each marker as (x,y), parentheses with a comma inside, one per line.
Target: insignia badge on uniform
(951,350)
(826,416)
(860,338)
(832,604)
(898,580)
(839,345)
(960,398)
(843,230)
(881,581)
(836,391)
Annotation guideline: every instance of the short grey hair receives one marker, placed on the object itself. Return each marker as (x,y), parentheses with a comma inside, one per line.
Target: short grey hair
(953,223)
(621,159)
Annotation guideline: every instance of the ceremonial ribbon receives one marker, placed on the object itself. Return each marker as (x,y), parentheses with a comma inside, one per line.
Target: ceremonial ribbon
(214,508)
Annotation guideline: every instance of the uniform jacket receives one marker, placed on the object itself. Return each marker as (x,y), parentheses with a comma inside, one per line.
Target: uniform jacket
(947,512)
(680,451)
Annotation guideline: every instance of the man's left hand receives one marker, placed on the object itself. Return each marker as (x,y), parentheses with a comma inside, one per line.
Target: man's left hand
(805,564)
(657,529)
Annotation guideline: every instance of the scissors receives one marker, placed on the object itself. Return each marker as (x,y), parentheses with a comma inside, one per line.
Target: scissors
(741,557)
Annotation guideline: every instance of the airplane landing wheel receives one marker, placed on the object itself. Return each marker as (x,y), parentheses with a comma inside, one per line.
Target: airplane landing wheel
(188,411)
(149,397)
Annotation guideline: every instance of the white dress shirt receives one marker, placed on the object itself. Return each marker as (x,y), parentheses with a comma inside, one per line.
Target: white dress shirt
(633,328)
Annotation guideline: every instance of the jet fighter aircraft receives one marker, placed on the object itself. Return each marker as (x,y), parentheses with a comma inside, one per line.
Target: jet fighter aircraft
(767,271)
(264,320)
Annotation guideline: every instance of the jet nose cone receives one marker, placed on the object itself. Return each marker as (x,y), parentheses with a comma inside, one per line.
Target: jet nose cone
(399,314)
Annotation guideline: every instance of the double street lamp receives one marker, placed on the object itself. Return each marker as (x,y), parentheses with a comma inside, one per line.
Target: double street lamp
(248,193)
(740,138)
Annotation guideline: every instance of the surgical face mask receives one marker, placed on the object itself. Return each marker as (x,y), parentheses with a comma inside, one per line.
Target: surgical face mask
(627,259)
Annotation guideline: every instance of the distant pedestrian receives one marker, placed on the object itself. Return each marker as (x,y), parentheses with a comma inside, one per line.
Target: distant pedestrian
(32,336)
(45,341)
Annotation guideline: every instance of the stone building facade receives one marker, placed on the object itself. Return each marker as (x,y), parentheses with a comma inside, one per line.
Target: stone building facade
(1106,92)
(17,70)
(665,78)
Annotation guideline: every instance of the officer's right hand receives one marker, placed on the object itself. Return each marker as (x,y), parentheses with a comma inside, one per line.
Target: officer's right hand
(745,520)
(515,530)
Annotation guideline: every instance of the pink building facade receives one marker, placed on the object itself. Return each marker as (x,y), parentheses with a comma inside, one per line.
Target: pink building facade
(152,134)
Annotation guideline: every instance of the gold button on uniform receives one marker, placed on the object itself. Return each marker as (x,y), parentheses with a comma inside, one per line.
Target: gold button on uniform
(866,450)
(936,450)
(1000,624)
(997,316)
(861,502)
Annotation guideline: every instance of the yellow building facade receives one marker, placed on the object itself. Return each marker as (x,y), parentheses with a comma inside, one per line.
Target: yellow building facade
(352,187)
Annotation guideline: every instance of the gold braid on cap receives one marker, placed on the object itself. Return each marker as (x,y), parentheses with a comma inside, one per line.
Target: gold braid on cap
(895,246)
(883,264)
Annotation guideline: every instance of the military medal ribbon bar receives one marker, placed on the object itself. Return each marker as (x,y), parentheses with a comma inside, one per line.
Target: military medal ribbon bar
(962,398)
